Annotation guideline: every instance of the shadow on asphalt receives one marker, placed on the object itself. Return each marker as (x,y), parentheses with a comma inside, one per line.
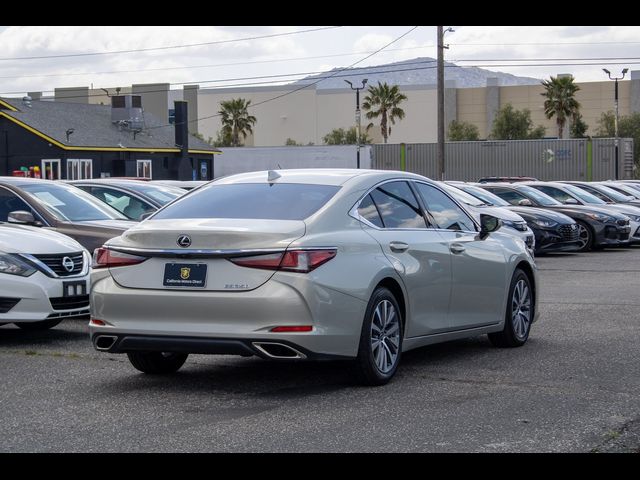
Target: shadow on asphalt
(17,337)
(285,380)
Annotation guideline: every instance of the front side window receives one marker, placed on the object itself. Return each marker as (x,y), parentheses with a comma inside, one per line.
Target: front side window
(261,201)
(125,203)
(398,206)
(554,193)
(68,203)
(509,196)
(10,202)
(446,213)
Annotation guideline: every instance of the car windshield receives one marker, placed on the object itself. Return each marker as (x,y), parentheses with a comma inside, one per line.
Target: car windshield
(484,195)
(70,204)
(615,195)
(462,197)
(584,195)
(537,195)
(160,193)
(283,201)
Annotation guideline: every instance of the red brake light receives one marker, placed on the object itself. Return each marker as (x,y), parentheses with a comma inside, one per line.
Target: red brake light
(303,261)
(293,328)
(95,321)
(104,257)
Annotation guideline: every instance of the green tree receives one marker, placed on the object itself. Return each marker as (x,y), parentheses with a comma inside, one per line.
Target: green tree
(560,100)
(512,124)
(222,140)
(382,101)
(578,127)
(236,121)
(340,136)
(462,131)
(290,142)
(628,127)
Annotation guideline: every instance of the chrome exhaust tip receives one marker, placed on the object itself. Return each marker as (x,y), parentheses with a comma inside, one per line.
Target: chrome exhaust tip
(104,342)
(278,351)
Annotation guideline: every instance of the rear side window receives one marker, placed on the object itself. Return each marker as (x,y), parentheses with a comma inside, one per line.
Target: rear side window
(369,212)
(398,206)
(283,201)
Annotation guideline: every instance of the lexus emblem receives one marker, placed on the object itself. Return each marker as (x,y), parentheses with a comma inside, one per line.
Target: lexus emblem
(184,241)
(68,264)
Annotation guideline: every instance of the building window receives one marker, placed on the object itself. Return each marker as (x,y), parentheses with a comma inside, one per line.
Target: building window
(79,168)
(144,168)
(51,168)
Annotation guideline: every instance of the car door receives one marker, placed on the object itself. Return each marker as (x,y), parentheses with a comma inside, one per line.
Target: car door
(478,265)
(393,217)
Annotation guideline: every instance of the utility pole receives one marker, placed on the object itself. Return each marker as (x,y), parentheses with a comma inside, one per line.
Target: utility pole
(440,73)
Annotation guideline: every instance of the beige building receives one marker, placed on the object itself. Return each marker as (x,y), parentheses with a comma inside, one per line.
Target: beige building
(306,116)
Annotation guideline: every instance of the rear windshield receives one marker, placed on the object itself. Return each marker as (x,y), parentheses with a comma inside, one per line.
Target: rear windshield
(284,201)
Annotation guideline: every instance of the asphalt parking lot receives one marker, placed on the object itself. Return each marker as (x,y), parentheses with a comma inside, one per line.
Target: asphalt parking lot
(574,387)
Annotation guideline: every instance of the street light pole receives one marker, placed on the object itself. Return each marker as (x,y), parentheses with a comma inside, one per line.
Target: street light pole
(624,72)
(358,122)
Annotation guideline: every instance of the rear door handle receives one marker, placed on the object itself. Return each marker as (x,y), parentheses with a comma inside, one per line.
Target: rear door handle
(456,248)
(398,247)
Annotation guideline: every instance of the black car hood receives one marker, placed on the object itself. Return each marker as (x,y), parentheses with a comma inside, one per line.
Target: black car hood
(585,209)
(542,213)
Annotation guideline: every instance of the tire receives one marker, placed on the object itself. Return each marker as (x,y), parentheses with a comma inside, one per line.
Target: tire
(36,326)
(585,235)
(157,362)
(519,313)
(380,345)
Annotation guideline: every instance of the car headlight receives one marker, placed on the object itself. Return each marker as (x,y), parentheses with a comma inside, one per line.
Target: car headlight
(601,217)
(541,222)
(14,265)
(520,226)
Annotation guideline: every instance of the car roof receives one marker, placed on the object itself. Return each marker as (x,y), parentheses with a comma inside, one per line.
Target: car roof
(319,176)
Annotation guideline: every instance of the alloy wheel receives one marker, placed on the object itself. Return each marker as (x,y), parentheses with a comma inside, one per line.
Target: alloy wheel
(385,336)
(521,309)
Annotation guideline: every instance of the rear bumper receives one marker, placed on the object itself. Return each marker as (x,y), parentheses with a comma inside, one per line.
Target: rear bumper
(270,349)
(244,317)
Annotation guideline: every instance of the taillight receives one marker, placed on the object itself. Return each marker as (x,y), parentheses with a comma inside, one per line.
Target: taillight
(104,257)
(302,261)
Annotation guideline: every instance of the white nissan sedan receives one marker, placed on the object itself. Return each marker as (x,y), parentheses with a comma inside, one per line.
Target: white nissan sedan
(44,277)
(310,264)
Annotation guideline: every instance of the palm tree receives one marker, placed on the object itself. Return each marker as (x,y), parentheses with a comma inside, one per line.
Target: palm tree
(386,100)
(236,120)
(560,101)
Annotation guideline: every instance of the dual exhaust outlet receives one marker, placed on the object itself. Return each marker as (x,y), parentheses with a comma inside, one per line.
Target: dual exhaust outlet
(273,350)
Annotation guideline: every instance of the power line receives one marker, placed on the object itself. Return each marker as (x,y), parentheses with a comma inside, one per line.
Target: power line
(371,70)
(538,43)
(109,72)
(316,82)
(217,42)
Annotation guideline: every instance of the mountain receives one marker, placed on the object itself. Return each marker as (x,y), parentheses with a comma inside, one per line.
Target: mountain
(418,71)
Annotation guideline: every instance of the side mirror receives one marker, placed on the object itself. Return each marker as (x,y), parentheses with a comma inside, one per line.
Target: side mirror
(571,201)
(145,215)
(488,224)
(525,202)
(23,217)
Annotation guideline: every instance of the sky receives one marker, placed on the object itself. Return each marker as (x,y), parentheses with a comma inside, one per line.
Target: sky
(243,59)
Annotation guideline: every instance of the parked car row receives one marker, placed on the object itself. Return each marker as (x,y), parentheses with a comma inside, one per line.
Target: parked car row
(294,264)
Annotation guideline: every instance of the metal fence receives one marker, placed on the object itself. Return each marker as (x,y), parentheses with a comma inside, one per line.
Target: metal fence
(575,159)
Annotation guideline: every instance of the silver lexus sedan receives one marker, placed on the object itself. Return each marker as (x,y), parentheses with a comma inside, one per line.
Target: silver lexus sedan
(310,264)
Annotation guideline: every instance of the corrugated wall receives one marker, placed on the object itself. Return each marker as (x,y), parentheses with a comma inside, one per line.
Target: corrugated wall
(543,159)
